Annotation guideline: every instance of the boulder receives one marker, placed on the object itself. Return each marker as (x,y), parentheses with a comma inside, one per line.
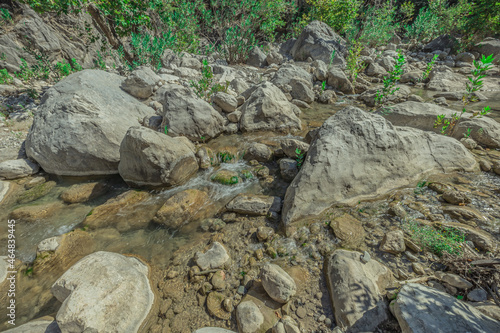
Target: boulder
(185,114)
(290,146)
(357,291)
(274,58)
(153,159)
(249,317)
(441,43)
(338,80)
(104,292)
(226,102)
(319,41)
(268,109)
(357,156)
(277,283)
(489,46)
(484,130)
(190,62)
(259,152)
(446,80)
(302,90)
(286,73)
(256,57)
(420,309)
(251,204)
(85,111)
(13,169)
(375,69)
(141,82)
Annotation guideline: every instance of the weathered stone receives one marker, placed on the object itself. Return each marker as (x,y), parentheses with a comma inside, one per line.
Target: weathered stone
(277,283)
(393,242)
(358,156)
(141,82)
(215,257)
(288,169)
(153,159)
(349,230)
(256,57)
(456,197)
(357,290)
(254,204)
(249,317)
(13,169)
(290,147)
(454,280)
(477,295)
(226,102)
(89,110)
(338,80)
(419,309)
(302,90)
(41,325)
(104,292)
(259,152)
(226,177)
(183,207)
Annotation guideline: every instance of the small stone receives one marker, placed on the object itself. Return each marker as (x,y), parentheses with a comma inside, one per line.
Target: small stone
(455,281)
(301,312)
(215,257)
(277,283)
(218,280)
(410,256)
(365,258)
(418,268)
(214,306)
(241,290)
(477,295)
(172,274)
(228,305)
(393,242)
(402,275)
(321,318)
(328,322)
(264,233)
(319,295)
(412,246)
(205,288)
(259,254)
(272,252)
(456,197)
(279,328)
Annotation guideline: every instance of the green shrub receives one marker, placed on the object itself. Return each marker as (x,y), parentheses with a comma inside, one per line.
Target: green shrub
(354,63)
(5,16)
(448,239)
(205,87)
(425,27)
(5,78)
(338,14)
(391,80)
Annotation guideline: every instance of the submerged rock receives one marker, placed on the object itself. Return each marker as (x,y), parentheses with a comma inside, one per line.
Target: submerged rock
(358,156)
(84,192)
(420,309)
(104,292)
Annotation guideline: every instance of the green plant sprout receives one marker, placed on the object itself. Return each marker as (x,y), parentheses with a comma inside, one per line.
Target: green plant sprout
(391,81)
(428,69)
(299,157)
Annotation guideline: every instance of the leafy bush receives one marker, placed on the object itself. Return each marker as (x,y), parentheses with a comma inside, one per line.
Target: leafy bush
(338,14)
(5,78)
(425,27)
(5,16)
(354,63)
(205,87)
(391,80)
(448,239)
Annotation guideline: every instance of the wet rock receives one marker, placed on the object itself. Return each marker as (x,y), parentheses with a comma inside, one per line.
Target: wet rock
(288,169)
(420,309)
(153,159)
(215,257)
(214,306)
(290,147)
(265,233)
(34,213)
(141,82)
(205,157)
(454,280)
(185,114)
(183,207)
(84,192)
(36,192)
(226,102)
(13,169)
(249,317)
(456,197)
(128,211)
(105,292)
(302,90)
(89,110)
(254,204)
(341,169)
(256,57)
(349,230)
(277,283)
(226,177)
(318,41)
(477,295)
(357,291)
(268,109)
(259,152)
(393,242)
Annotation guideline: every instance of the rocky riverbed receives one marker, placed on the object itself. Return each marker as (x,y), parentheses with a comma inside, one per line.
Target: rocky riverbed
(276,205)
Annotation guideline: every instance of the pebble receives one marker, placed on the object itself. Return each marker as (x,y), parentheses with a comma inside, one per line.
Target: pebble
(241,290)
(321,318)
(328,322)
(365,258)
(301,312)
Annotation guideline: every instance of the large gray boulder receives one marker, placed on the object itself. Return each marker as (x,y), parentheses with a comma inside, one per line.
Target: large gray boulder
(484,130)
(421,309)
(141,82)
(318,41)
(444,79)
(256,57)
(268,109)
(104,292)
(489,46)
(358,155)
(185,114)
(357,291)
(338,80)
(152,159)
(80,124)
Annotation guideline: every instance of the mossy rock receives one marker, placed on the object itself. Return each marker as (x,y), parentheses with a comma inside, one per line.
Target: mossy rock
(246,174)
(226,177)
(36,192)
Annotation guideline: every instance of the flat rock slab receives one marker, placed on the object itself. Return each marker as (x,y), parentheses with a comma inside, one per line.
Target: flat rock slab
(254,204)
(420,309)
(105,292)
